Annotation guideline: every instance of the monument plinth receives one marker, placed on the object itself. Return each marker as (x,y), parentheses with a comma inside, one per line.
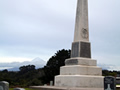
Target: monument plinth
(80,70)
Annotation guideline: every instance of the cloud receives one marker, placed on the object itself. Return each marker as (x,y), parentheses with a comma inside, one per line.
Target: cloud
(15,65)
(28,27)
(21,27)
(109,67)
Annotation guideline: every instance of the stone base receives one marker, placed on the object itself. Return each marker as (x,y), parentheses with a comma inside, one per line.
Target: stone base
(61,88)
(80,81)
(80,70)
(81,61)
(81,73)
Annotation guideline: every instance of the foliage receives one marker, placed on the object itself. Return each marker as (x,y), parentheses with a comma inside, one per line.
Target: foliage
(24,69)
(27,76)
(110,73)
(53,65)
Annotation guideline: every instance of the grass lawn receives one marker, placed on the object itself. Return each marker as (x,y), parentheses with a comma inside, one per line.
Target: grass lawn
(10,88)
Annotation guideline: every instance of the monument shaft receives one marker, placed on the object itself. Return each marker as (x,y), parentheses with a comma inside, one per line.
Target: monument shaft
(81,25)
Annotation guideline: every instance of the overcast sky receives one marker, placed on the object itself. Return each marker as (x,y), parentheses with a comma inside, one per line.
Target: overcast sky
(39,28)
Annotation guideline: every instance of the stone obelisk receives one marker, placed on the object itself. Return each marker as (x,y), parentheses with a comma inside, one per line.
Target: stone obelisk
(81,45)
(80,71)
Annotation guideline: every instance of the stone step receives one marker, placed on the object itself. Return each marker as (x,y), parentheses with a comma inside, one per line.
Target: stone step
(81,61)
(80,70)
(81,81)
(61,88)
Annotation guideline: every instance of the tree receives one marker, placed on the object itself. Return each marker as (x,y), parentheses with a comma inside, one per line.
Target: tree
(53,65)
(27,68)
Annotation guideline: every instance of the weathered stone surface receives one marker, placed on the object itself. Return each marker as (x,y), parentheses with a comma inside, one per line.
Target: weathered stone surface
(81,25)
(81,49)
(75,49)
(81,61)
(71,62)
(61,88)
(81,81)
(80,70)
(85,50)
(4,85)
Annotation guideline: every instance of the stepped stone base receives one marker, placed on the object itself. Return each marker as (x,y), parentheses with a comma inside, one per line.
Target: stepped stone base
(61,88)
(80,73)
(81,81)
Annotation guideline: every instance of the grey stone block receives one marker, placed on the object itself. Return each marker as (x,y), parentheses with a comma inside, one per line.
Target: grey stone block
(75,49)
(85,50)
(109,83)
(81,49)
(4,85)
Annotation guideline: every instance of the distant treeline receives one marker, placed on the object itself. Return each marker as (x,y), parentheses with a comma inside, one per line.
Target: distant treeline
(29,76)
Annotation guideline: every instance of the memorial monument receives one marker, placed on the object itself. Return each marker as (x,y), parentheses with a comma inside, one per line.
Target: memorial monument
(80,70)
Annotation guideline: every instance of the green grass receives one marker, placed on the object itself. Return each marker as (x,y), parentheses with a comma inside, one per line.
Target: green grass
(10,88)
(28,89)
